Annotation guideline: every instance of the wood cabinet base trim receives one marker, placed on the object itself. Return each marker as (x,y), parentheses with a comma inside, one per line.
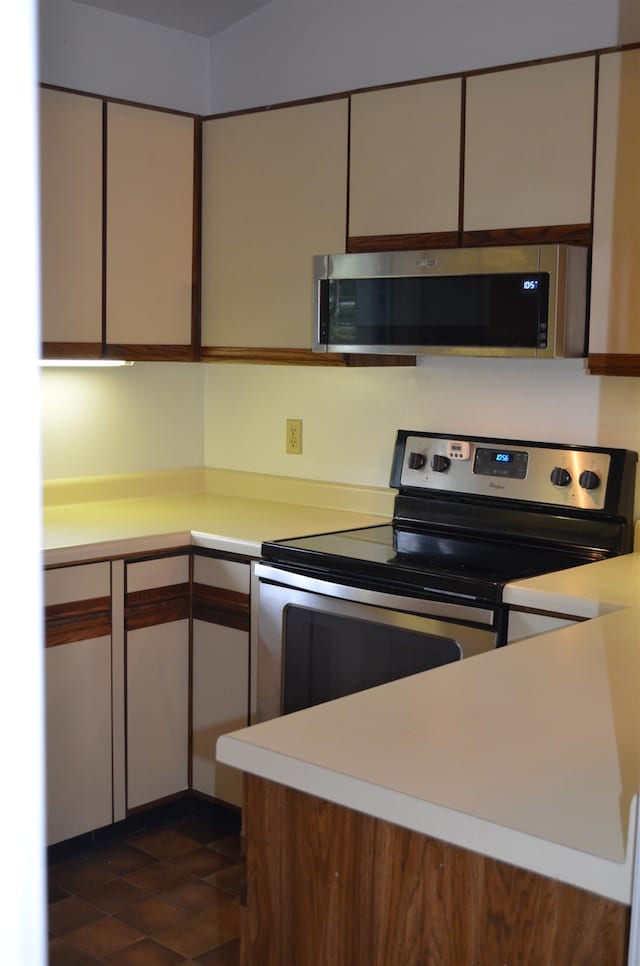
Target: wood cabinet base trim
(149,353)
(403,243)
(159,605)
(76,631)
(613,364)
(298,357)
(535,235)
(71,350)
(216,605)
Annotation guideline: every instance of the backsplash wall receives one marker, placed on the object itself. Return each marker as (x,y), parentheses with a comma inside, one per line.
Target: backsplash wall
(125,420)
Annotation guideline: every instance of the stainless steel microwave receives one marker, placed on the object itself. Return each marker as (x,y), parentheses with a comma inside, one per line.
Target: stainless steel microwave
(522,301)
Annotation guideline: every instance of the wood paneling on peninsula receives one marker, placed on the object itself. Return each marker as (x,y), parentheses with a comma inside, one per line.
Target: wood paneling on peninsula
(326,884)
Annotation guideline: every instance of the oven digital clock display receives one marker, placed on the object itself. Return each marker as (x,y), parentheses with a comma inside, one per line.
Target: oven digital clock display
(501,462)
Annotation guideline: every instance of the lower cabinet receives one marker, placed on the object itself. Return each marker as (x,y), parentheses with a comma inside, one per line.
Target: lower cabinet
(220,670)
(147,663)
(78,700)
(157,678)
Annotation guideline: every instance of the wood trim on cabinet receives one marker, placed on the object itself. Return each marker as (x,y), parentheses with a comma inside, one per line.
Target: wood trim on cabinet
(71,350)
(613,364)
(328,884)
(105,134)
(137,352)
(296,357)
(216,605)
(196,271)
(535,235)
(158,605)
(403,243)
(78,620)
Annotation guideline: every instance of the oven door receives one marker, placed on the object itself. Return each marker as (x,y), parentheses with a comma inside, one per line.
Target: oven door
(314,640)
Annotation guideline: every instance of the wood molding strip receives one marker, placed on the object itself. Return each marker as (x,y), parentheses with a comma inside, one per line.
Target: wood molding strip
(135,352)
(71,350)
(196,251)
(75,609)
(299,357)
(535,235)
(75,631)
(158,605)
(613,364)
(403,243)
(216,605)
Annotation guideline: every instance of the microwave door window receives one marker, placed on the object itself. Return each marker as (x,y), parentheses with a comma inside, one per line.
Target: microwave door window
(477,310)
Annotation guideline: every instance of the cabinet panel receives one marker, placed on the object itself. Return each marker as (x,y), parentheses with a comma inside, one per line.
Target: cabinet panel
(220,704)
(71,217)
(615,289)
(157,711)
(529,146)
(405,159)
(149,226)
(217,572)
(525,624)
(78,738)
(274,195)
(82,582)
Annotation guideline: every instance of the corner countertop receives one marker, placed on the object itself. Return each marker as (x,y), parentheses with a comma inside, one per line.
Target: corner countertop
(218,509)
(529,754)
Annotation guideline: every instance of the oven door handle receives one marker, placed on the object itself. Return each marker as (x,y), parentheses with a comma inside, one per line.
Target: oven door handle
(375,598)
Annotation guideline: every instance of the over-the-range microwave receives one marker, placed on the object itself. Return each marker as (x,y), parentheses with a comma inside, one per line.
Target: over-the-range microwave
(527,301)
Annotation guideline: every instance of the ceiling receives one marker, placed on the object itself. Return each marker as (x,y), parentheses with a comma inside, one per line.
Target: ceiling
(202,17)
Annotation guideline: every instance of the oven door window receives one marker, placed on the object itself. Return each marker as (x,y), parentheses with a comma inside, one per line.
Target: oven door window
(327,655)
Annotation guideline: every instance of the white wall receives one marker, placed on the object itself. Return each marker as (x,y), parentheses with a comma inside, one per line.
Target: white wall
(134,419)
(292,49)
(350,415)
(92,50)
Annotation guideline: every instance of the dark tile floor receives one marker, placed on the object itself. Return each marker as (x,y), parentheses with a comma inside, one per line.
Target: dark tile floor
(161,888)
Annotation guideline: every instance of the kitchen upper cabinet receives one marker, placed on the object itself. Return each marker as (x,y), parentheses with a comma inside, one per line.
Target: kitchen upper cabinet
(71,221)
(157,678)
(529,146)
(614,340)
(78,688)
(404,165)
(220,674)
(274,195)
(149,232)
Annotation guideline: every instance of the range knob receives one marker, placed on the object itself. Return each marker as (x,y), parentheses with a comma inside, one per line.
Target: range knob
(440,464)
(416,461)
(589,480)
(560,476)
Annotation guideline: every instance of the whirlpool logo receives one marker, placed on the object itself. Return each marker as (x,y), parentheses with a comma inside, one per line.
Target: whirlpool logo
(427,262)
(496,486)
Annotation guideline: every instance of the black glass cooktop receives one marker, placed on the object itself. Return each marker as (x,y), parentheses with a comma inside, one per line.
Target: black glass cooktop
(401,559)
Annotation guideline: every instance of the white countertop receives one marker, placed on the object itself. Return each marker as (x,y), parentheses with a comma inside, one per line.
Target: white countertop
(213,509)
(529,754)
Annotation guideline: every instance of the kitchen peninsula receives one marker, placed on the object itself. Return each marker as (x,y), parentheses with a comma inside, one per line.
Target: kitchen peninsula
(440,790)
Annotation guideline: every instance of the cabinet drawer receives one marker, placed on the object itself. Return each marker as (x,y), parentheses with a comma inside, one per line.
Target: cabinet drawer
(84,582)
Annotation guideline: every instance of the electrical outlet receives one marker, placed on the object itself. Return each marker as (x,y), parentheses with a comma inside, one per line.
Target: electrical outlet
(294,436)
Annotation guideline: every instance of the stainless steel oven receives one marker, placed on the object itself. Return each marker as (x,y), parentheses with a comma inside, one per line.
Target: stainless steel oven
(318,639)
(340,612)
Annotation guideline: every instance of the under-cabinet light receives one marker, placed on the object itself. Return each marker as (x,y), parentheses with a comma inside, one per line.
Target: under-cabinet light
(82,363)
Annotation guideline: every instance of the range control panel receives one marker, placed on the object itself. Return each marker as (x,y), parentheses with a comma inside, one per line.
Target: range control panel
(536,472)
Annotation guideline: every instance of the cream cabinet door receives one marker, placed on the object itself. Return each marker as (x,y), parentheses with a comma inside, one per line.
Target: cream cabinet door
(157,678)
(615,285)
(149,226)
(274,195)
(529,146)
(78,676)
(220,675)
(404,161)
(71,218)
